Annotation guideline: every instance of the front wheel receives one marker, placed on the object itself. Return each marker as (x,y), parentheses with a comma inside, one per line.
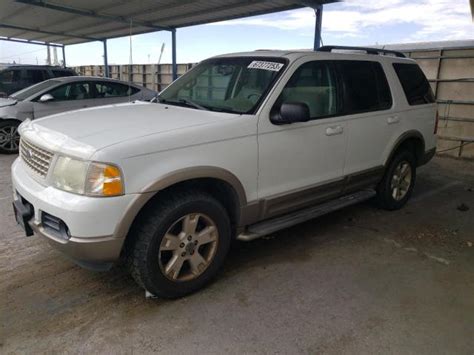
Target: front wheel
(180,244)
(9,137)
(398,182)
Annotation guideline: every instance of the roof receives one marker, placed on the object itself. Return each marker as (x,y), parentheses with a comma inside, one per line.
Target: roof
(78,21)
(295,54)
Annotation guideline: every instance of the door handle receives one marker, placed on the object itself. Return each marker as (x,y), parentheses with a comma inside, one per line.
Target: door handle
(332,131)
(393,119)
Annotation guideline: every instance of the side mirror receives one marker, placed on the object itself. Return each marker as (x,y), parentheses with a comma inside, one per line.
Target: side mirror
(291,112)
(45,98)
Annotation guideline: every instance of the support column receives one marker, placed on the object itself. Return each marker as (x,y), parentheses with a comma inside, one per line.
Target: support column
(48,56)
(106,61)
(318,10)
(173,54)
(64,55)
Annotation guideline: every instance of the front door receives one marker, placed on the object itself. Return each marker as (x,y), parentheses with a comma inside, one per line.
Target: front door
(67,97)
(302,163)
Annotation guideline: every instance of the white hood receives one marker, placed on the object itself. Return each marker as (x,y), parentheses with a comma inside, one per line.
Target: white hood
(83,132)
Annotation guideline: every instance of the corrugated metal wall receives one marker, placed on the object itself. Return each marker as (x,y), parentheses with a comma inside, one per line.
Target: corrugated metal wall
(152,76)
(451,74)
(450,71)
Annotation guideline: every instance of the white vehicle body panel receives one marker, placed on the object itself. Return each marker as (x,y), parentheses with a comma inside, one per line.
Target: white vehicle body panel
(150,142)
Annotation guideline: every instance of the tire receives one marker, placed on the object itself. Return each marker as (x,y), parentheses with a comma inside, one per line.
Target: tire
(154,257)
(9,137)
(398,182)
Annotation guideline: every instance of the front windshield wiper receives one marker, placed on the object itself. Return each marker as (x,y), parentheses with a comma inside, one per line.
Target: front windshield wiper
(186,102)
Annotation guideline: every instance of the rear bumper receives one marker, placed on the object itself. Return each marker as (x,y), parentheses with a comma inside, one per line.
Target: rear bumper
(427,156)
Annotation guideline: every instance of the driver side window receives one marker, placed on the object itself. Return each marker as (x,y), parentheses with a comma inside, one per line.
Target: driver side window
(73,91)
(314,84)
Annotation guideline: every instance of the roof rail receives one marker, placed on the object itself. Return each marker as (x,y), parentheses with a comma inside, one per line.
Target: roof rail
(376,51)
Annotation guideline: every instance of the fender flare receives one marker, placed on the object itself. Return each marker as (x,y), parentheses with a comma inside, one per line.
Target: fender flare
(402,139)
(174,178)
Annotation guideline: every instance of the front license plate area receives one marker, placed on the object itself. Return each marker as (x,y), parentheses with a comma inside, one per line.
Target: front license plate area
(23,213)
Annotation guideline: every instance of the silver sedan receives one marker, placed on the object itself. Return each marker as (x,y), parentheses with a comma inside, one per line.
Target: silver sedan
(59,95)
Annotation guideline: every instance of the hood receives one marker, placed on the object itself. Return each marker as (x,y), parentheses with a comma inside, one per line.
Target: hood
(4,102)
(92,129)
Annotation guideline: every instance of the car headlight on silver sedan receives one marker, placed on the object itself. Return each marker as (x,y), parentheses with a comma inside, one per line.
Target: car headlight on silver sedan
(87,178)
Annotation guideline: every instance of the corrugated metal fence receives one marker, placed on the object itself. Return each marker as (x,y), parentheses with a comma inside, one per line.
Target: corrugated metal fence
(152,76)
(451,74)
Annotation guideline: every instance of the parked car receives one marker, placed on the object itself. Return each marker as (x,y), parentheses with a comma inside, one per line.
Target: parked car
(16,77)
(237,148)
(59,95)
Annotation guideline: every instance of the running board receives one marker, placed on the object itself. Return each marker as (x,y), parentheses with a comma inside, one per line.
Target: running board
(275,224)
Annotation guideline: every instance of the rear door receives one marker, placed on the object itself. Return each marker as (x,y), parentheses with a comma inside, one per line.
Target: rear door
(371,119)
(67,97)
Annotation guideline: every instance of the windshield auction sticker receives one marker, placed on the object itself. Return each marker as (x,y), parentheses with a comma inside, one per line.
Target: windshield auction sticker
(257,64)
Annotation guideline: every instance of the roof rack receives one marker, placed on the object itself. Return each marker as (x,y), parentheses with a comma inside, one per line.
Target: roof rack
(376,51)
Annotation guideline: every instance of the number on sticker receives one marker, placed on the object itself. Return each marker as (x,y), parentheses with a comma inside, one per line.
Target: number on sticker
(258,64)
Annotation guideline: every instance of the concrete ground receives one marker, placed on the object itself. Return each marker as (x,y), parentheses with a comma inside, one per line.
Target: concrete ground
(360,280)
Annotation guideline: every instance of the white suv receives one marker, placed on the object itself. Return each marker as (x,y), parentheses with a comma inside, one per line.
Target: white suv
(239,147)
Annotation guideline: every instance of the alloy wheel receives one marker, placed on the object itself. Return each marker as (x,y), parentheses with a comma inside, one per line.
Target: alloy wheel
(401,180)
(9,138)
(188,247)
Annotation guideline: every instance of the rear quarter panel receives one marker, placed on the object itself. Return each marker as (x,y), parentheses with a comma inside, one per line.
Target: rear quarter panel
(413,119)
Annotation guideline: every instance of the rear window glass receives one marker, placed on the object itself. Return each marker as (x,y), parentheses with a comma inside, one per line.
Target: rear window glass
(415,85)
(365,87)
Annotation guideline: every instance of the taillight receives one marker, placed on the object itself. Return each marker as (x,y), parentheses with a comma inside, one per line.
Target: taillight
(436,123)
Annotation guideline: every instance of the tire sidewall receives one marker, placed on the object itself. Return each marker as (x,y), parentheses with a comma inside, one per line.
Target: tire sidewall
(155,281)
(386,191)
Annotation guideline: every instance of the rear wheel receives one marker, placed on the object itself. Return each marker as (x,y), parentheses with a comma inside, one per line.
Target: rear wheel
(180,244)
(397,185)
(9,137)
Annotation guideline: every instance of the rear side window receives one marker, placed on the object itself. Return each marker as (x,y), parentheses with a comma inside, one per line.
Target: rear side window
(9,76)
(365,87)
(417,89)
(34,76)
(62,73)
(104,90)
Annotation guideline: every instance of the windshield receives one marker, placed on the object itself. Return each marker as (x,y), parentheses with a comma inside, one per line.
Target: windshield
(235,85)
(33,90)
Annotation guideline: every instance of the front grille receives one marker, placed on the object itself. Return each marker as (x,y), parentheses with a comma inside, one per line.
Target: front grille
(36,158)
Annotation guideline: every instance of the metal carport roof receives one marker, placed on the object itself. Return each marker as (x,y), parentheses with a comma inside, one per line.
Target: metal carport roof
(65,22)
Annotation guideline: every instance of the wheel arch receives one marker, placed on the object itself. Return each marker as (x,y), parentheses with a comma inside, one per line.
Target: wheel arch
(412,140)
(220,183)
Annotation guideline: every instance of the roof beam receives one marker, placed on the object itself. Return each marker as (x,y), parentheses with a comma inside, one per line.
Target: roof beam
(31,42)
(90,13)
(211,10)
(37,30)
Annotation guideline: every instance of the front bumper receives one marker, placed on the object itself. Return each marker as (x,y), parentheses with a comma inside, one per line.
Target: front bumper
(92,240)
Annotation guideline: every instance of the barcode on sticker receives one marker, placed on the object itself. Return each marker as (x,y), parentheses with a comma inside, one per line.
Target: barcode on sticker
(258,64)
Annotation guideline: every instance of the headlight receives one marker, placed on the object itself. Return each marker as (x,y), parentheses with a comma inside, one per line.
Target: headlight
(87,178)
